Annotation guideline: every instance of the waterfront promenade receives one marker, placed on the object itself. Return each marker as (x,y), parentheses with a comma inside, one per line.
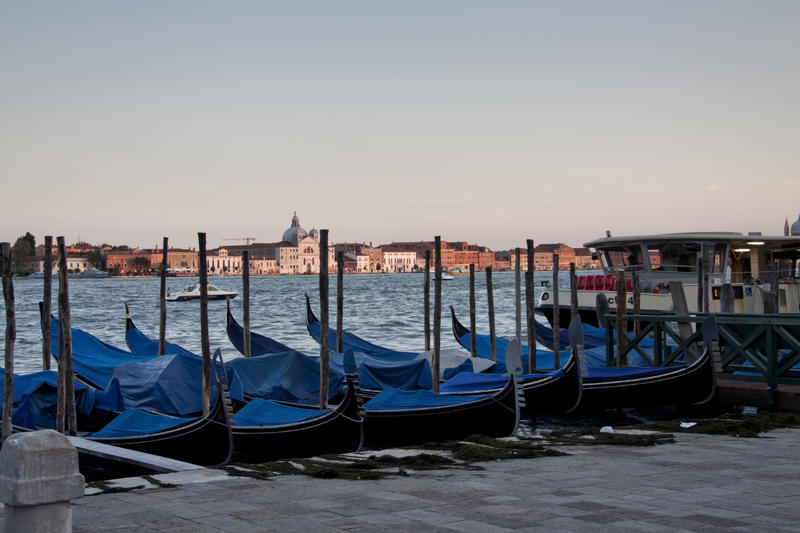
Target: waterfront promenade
(700,483)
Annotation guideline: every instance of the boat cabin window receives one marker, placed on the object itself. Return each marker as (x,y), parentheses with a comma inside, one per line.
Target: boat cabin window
(678,257)
(622,257)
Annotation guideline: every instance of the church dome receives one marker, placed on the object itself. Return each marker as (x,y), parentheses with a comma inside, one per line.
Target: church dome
(295,232)
(314,233)
(795,229)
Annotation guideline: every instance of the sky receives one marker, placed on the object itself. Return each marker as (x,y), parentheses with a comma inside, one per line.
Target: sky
(491,122)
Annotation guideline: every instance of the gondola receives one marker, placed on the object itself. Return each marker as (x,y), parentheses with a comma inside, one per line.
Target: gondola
(395,418)
(203,440)
(264,430)
(609,387)
(452,362)
(259,344)
(555,392)
(693,384)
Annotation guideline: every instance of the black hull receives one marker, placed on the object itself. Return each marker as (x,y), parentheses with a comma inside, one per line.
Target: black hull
(587,314)
(495,416)
(553,394)
(205,441)
(340,431)
(689,385)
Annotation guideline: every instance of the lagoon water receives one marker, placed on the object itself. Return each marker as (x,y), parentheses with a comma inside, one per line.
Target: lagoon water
(386,309)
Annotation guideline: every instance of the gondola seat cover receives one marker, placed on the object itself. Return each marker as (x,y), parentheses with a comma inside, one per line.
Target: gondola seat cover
(140,344)
(134,422)
(40,390)
(170,384)
(263,413)
(289,376)
(470,381)
(378,374)
(392,399)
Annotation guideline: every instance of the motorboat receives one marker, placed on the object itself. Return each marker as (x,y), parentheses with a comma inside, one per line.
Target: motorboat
(192,292)
(733,272)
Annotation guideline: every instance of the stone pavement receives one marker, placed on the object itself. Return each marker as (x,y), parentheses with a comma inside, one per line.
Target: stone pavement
(701,483)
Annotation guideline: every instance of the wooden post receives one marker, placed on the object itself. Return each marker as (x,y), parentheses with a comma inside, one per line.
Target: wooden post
(637,301)
(339,302)
(246,301)
(556,313)
(473,336)
(324,345)
(427,297)
(437,313)
(7,272)
(490,301)
(65,410)
(162,323)
(518,296)
(681,311)
(204,341)
(573,291)
(46,301)
(530,308)
(622,360)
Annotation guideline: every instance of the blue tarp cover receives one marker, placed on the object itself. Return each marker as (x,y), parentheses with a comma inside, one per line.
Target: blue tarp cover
(22,414)
(472,382)
(259,412)
(40,389)
(592,336)
(379,374)
(133,422)
(140,344)
(392,399)
(93,359)
(349,341)
(259,344)
(289,376)
(170,384)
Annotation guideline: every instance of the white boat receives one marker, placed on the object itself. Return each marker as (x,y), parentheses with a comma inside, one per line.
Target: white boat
(751,273)
(192,292)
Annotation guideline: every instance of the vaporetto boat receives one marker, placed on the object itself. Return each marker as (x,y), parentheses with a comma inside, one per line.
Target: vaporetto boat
(747,270)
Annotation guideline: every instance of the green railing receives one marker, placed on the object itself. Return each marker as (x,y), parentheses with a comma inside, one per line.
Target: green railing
(761,348)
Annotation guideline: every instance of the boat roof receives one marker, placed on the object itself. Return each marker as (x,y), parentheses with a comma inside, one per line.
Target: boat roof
(771,241)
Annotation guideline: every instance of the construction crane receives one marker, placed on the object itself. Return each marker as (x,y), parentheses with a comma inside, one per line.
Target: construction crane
(246,240)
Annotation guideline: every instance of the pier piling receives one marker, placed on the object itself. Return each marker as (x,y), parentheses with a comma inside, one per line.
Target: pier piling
(47,306)
(66,418)
(339,302)
(162,322)
(530,308)
(437,313)
(490,302)
(204,341)
(246,301)
(473,336)
(324,345)
(427,297)
(7,271)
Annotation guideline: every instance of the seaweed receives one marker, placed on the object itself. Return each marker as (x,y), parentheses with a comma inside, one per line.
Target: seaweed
(732,424)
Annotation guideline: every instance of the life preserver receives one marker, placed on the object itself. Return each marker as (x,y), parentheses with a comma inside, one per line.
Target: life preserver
(658,288)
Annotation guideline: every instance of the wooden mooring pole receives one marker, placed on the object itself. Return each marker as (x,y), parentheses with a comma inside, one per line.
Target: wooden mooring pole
(473,337)
(490,302)
(7,271)
(246,301)
(437,313)
(65,409)
(162,322)
(637,301)
(556,313)
(518,296)
(47,306)
(339,302)
(427,297)
(324,345)
(622,360)
(573,291)
(530,308)
(205,344)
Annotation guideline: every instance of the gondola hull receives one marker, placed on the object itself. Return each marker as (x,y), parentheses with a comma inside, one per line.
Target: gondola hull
(684,385)
(495,416)
(204,441)
(339,431)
